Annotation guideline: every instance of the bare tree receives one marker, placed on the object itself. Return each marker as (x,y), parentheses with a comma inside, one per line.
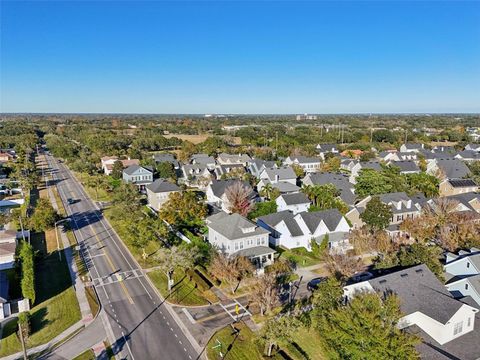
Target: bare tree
(343,265)
(231,269)
(239,198)
(265,292)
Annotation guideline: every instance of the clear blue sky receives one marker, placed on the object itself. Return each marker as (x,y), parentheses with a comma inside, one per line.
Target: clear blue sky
(240,57)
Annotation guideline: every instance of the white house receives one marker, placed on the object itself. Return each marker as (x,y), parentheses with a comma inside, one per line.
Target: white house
(8,245)
(308,164)
(216,192)
(324,149)
(361,165)
(411,147)
(291,231)
(463,273)
(196,175)
(228,159)
(159,191)
(425,302)
(474,147)
(108,162)
(138,175)
(282,175)
(237,236)
(296,202)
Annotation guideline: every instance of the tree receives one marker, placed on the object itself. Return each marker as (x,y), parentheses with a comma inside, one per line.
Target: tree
(175,257)
(298,170)
(367,328)
(95,182)
(262,209)
(377,215)
(371,182)
(343,265)
(44,216)
(331,163)
(183,210)
(267,191)
(239,198)
(231,269)
(327,296)
(424,183)
(27,282)
(324,197)
(126,198)
(264,292)
(165,170)
(278,330)
(364,241)
(117,170)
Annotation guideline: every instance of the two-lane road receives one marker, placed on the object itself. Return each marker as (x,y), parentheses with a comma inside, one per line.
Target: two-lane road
(138,324)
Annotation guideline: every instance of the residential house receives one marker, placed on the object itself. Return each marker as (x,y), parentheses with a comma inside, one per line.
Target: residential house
(234,170)
(411,147)
(138,175)
(237,236)
(108,162)
(196,175)
(228,159)
(308,164)
(468,155)
(296,202)
(291,230)
(339,180)
(396,156)
(462,272)
(355,171)
(274,175)
(6,156)
(474,147)
(159,191)
(256,166)
(324,149)
(444,149)
(216,193)
(406,167)
(445,325)
(402,205)
(203,159)
(8,245)
(448,169)
(450,187)
(348,164)
(469,202)
(168,158)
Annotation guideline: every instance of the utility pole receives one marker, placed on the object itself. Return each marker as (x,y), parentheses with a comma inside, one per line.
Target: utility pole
(22,340)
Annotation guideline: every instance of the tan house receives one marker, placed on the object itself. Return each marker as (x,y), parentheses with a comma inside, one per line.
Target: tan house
(159,191)
(108,161)
(450,187)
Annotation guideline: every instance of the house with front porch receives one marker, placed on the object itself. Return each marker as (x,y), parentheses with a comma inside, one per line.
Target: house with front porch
(138,175)
(235,235)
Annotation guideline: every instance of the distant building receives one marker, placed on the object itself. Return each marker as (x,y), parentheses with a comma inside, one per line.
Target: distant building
(450,187)
(108,162)
(411,147)
(306,117)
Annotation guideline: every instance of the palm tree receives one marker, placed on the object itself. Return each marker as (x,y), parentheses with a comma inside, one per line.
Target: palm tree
(267,191)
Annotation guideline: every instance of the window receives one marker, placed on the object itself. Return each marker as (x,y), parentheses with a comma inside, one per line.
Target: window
(466,286)
(468,264)
(458,328)
(469,322)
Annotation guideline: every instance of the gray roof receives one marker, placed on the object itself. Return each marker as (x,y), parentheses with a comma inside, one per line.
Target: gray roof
(340,181)
(327,147)
(295,198)
(405,165)
(419,290)
(285,187)
(231,225)
(283,173)
(235,157)
(162,185)
(200,168)
(219,186)
(287,217)
(469,154)
(413,146)
(254,251)
(133,168)
(330,217)
(458,183)
(473,146)
(165,157)
(473,257)
(453,168)
(375,165)
(306,159)
(260,162)
(465,198)
(202,159)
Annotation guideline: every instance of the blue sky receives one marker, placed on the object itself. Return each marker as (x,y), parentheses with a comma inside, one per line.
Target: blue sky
(240,57)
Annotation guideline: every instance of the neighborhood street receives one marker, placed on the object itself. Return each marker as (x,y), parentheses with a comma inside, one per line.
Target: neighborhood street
(139,325)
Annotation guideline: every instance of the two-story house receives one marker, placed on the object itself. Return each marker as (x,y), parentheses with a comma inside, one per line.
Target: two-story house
(450,187)
(445,325)
(405,166)
(291,230)
(361,165)
(107,163)
(339,180)
(203,159)
(278,176)
(256,166)
(237,236)
(216,192)
(324,149)
(448,169)
(229,159)
(196,175)
(138,175)
(168,158)
(411,147)
(308,164)
(296,202)
(159,191)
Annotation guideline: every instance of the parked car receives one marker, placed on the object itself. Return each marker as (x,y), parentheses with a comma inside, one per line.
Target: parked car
(362,276)
(313,284)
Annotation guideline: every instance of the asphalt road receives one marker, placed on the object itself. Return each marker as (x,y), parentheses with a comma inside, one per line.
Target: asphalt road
(138,324)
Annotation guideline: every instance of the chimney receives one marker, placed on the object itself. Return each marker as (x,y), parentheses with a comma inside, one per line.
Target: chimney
(277,178)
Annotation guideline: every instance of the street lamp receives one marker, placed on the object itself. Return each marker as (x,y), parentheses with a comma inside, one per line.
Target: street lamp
(56,234)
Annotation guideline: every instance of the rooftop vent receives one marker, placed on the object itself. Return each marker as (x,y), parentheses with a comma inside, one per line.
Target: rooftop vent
(404,275)
(382,281)
(418,271)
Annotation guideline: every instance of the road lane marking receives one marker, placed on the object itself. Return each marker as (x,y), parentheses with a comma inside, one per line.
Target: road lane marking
(128,347)
(109,260)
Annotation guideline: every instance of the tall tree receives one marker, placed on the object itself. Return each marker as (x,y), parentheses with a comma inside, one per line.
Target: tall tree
(117,170)
(279,331)
(183,209)
(377,215)
(175,257)
(231,269)
(239,198)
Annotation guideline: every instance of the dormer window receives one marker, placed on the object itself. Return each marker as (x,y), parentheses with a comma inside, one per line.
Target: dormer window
(458,328)
(466,286)
(248,230)
(468,264)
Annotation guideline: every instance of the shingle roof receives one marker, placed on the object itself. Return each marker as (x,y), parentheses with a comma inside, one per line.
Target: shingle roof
(340,181)
(295,198)
(231,226)
(458,183)
(465,198)
(285,187)
(283,173)
(287,217)
(159,158)
(453,168)
(162,185)
(469,154)
(219,186)
(254,251)
(327,147)
(306,159)
(375,165)
(405,165)
(413,146)
(419,290)
(330,217)
(133,168)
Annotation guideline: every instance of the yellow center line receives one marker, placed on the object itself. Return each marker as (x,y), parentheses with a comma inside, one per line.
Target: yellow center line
(110,262)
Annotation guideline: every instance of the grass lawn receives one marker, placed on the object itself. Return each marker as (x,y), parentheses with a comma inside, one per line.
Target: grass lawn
(183,292)
(87,355)
(239,346)
(92,300)
(299,256)
(103,195)
(306,341)
(56,307)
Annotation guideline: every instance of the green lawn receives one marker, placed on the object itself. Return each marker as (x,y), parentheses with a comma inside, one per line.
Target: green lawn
(87,355)
(56,307)
(95,194)
(306,341)
(299,256)
(183,292)
(239,346)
